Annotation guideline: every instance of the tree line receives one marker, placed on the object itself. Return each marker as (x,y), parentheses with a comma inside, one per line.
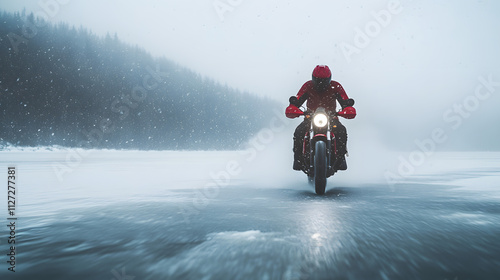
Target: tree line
(69,87)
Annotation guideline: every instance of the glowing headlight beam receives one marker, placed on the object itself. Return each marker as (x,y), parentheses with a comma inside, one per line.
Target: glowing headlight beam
(320,120)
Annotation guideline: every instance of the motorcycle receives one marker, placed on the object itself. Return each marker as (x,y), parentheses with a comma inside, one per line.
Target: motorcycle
(317,148)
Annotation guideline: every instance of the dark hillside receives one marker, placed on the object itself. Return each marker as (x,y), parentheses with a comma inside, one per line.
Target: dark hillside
(60,85)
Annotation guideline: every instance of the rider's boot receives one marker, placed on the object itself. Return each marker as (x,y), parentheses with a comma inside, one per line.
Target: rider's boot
(340,145)
(297,155)
(340,163)
(297,164)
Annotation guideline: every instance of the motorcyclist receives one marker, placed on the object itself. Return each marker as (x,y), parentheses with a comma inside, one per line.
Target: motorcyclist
(321,91)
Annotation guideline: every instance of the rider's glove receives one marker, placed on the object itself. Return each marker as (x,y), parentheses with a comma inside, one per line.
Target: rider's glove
(294,101)
(346,103)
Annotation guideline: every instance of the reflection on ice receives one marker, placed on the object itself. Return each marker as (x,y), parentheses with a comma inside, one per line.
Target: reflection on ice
(472,218)
(122,209)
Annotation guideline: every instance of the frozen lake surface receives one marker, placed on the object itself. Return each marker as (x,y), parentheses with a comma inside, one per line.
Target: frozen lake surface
(231,215)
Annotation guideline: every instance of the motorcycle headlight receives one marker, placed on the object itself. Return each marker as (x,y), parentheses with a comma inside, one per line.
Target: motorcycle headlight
(320,120)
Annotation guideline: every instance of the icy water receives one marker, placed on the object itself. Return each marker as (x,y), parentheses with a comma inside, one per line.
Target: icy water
(203,215)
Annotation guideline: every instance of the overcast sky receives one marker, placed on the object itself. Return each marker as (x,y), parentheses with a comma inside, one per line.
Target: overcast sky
(407,59)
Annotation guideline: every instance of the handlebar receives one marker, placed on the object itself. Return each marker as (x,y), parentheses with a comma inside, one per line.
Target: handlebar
(294,112)
(308,113)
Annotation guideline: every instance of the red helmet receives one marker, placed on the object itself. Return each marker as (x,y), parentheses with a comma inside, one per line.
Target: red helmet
(321,77)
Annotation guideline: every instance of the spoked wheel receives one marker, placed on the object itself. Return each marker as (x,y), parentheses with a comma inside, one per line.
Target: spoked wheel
(320,167)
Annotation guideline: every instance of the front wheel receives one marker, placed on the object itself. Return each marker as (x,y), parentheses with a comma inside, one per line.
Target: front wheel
(320,167)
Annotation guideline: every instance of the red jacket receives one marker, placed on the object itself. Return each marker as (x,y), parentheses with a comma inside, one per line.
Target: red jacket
(324,99)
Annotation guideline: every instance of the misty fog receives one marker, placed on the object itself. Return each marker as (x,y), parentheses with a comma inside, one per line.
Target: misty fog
(148,139)
(406,63)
